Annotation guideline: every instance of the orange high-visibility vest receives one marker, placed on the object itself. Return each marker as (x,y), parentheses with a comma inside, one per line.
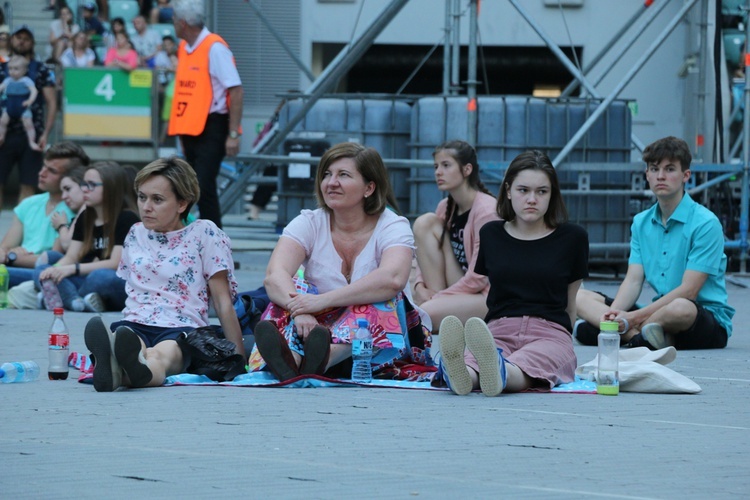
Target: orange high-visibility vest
(193,92)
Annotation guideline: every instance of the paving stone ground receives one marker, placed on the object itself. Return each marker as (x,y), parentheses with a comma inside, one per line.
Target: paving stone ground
(62,439)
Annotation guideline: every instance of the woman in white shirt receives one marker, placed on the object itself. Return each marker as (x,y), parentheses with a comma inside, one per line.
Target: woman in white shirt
(79,55)
(61,32)
(357,256)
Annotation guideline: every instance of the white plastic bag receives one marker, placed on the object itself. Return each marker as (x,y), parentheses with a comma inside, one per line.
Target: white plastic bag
(643,370)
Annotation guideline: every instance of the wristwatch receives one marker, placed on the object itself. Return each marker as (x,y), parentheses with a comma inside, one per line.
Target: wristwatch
(233,134)
(11,258)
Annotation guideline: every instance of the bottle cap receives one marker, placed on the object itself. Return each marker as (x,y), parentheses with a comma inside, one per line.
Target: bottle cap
(362,323)
(609,326)
(58,310)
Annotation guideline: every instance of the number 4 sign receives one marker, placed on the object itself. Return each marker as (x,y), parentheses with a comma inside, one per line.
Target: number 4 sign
(105,88)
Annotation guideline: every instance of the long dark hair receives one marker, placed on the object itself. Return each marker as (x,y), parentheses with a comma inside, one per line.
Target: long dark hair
(533,160)
(114,201)
(464,154)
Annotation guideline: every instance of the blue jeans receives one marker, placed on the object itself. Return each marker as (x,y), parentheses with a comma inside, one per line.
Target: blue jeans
(105,282)
(20,275)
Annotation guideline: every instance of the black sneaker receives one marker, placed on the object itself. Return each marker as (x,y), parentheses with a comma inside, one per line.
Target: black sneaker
(638,341)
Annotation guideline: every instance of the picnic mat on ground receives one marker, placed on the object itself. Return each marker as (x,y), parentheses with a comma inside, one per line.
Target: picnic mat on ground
(641,370)
(266,379)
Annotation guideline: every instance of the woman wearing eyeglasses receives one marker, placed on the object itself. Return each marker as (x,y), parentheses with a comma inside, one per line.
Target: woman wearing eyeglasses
(85,278)
(72,195)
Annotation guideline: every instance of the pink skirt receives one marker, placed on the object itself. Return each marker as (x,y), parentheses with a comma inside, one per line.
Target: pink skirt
(543,350)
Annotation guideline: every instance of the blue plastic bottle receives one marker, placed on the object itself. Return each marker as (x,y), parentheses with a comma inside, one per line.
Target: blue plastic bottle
(24,371)
(362,353)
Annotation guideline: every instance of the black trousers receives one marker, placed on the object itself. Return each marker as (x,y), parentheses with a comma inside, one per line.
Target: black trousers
(205,153)
(16,151)
(264,192)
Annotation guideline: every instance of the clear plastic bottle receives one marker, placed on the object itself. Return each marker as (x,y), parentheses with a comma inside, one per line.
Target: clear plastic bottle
(607,369)
(4,281)
(23,371)
(362,353)
(58,342)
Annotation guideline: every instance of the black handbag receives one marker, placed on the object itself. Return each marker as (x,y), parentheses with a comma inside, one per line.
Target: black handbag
(207,352)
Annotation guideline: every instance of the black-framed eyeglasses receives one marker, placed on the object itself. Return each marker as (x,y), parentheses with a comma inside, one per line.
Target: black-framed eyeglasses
(90,185)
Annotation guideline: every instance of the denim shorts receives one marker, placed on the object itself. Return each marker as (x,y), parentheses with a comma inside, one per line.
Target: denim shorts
(152,335)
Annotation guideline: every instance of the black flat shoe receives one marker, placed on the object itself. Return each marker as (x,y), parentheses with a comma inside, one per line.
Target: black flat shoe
(128,353)
(107,374)
(317,351)
(275,351)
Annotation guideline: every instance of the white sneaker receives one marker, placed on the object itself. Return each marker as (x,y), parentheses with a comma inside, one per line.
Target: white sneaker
(93,302)
(653,333)
(492,373)
(452,363)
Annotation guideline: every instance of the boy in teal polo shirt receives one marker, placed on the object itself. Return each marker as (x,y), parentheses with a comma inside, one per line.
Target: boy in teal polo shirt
(31,230)
(678,247)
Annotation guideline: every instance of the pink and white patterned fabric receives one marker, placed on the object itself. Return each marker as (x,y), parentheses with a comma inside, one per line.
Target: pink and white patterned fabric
(167,274)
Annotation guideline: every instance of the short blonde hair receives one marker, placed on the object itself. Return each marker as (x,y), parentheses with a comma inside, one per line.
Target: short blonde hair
(180,175)
(19,60)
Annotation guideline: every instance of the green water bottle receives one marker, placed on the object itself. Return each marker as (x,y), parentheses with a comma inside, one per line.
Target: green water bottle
(4,280)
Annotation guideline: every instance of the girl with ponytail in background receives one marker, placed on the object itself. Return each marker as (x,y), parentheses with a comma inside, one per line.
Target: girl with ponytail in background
(448,240)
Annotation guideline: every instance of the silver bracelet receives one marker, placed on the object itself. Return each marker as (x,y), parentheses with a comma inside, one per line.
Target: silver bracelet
(625,322)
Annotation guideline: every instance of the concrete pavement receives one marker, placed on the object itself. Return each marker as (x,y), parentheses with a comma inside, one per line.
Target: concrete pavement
(62,439)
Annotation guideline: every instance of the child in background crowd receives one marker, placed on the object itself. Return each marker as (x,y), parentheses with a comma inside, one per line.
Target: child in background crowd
(20,92)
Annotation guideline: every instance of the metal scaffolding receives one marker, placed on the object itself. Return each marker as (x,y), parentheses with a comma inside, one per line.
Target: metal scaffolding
(624,38)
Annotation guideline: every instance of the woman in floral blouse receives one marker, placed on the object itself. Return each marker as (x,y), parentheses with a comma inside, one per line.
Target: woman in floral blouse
(171,269)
